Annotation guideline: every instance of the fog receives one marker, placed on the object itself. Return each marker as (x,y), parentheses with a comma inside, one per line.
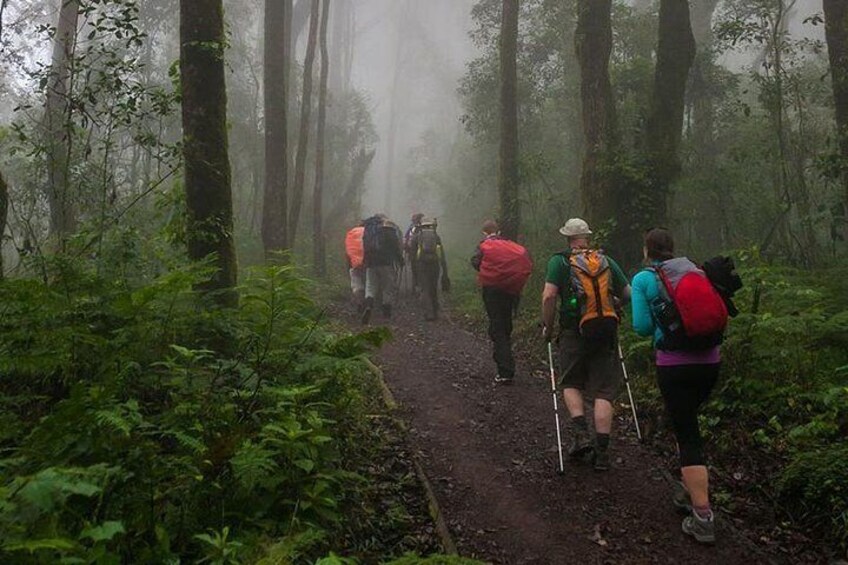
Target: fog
(409,57)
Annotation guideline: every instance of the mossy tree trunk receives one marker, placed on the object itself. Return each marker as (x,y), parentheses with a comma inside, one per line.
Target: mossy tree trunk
(508,180)
(593,45)
(318,237)
(305,117)
(836,15)
(209,200)
(275,205)
(62,201)
(664,128)
(4,215)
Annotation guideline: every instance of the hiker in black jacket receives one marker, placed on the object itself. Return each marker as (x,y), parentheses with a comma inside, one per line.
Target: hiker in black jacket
(383,256)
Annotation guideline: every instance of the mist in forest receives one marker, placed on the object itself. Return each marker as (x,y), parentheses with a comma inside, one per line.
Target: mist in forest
(410,55)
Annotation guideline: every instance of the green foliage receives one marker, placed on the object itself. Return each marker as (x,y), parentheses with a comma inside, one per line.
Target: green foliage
(141,425)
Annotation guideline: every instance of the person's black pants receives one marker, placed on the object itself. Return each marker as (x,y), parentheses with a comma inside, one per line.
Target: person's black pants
(500,307)
(684,389)
(428,280)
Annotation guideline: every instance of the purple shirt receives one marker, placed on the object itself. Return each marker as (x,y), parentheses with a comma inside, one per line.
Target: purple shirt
(675,358)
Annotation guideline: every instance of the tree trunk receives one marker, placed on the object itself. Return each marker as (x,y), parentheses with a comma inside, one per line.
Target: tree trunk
(275,206)
(510,205)
(209,200)
(836,14)
(4,214)
(305,117)
(318,238)
(675,54)
(58,128)
(345,210)
(593,44)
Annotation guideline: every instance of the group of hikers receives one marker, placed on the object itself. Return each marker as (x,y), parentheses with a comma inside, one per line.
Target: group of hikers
(684,307)
(378,254)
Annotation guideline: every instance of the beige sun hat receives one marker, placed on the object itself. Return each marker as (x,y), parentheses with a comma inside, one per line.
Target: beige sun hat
(575,227)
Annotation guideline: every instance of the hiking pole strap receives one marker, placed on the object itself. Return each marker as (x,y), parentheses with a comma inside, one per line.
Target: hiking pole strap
(629,393)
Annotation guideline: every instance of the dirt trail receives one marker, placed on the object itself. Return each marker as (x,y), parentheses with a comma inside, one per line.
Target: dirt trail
(490,452)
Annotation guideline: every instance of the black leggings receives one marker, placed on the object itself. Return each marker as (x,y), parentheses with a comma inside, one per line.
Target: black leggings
(684,389)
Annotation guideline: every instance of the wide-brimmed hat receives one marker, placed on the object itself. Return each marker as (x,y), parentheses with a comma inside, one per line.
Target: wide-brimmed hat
(575,227)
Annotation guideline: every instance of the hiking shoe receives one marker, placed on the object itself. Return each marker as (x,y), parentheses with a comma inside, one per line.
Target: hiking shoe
(681,500)
(602,460)
(703,530)
(503,380)
(581,443)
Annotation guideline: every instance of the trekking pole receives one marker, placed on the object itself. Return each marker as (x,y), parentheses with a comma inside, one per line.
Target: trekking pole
(556,407)
(629,393)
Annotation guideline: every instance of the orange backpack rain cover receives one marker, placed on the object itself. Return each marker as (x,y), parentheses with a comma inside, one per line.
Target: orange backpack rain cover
(354,247)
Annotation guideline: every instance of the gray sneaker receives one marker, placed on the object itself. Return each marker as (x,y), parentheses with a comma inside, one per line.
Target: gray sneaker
(581,443)
(503,380)
(703,530)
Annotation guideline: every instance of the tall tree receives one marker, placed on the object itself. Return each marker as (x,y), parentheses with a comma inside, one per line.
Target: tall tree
(305,117)
(62,202)
(275,206)
(664,128)
(395,101)
(209,200)
(4,213)
(836,15)
(318,240)
(593,44)
(510,205)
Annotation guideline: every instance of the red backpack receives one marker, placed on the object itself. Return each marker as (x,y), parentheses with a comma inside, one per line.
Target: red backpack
(506,266)
(690,312)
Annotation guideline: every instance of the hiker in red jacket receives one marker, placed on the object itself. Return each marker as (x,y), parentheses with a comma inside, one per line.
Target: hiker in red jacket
(503,268)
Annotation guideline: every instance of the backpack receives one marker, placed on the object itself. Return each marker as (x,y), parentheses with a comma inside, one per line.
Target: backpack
(591,281)
(506,266)
(689,310)
(721,271)
(354,247)
(429,248)
(371,240)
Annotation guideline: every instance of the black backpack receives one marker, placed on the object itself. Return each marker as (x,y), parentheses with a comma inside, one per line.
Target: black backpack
(371,240)
(721,271)
(428,245)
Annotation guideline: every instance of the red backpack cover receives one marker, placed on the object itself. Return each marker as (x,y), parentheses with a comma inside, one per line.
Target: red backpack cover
(506,266)
(702,310)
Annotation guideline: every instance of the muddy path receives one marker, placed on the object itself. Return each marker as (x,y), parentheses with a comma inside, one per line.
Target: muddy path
(490,453)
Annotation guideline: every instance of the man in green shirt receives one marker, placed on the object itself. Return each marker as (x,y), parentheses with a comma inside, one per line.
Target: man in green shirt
(589,359)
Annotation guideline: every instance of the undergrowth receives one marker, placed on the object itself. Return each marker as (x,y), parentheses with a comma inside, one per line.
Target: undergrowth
(142,425)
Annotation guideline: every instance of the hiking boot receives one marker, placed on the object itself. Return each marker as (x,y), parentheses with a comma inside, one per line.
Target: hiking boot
(681,500)
(602,460)
(702,529)
(503,380)
(366,311)
(581,443)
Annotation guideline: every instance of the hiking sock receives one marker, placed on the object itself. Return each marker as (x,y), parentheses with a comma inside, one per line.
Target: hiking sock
(703,512)
(602,441)
(580,423)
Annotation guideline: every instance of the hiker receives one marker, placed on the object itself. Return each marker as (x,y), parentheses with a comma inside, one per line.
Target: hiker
(590,286)
(687,367)
(415,222)
(355,252)
(383,256)
(428,260)
(503,268)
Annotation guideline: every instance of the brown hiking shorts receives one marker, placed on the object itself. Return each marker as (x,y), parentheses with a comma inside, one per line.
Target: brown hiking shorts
(591,367)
